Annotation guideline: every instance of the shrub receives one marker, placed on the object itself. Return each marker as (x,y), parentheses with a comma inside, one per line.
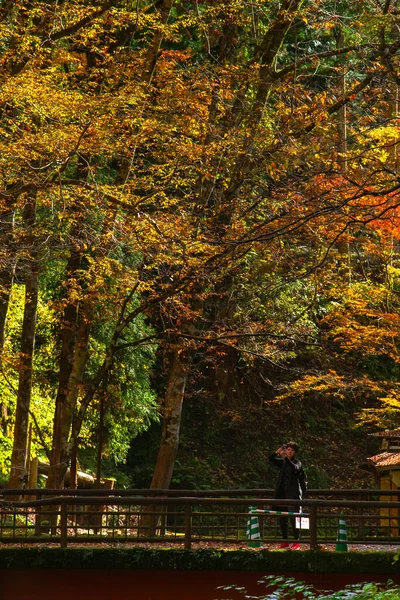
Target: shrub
(282,588)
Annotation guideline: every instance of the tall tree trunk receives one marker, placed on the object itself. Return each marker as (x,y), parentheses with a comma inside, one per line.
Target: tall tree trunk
(171,420)
(68,420)
(169,443)
(68,339)
(18,457)
(6,272)
(66,452)
(75,383)
(6,282)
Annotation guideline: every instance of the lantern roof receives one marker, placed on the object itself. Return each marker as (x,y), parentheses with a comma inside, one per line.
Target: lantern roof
(386,459)
(394,433)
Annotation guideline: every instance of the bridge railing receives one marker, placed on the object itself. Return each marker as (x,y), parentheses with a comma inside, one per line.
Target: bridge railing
(172,493)
(219,517)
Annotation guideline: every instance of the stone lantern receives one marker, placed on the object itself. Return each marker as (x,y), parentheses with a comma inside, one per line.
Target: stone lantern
(386,468)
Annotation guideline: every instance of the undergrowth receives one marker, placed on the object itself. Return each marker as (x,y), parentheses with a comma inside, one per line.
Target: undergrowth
(282,588)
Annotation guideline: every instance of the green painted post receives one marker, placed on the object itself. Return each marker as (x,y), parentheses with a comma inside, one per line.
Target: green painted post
(253,529)
(341,546)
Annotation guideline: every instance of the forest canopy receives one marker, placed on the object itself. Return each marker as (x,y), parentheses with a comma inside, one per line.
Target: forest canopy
(199,206)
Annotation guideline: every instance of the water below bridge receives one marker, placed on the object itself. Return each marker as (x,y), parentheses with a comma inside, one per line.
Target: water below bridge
(116,584)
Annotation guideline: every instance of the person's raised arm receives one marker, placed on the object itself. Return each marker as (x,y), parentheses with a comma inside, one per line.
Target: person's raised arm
(278,456)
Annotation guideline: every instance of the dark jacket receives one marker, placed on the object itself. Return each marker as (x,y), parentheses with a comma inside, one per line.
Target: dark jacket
(292,482)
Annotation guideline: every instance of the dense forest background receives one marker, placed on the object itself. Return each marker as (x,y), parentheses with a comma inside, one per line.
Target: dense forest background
(199,239)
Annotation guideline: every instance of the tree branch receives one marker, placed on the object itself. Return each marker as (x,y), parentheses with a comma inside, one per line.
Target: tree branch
(40,436)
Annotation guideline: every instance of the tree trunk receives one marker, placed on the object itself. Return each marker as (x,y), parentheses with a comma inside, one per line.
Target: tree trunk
(169,437)
(75,382)
(68,339)
(152,51)
(171,421)
(100,440)
(6,282)
(71,419)
(66,363)
(6,272)
(18,457)
(394,103)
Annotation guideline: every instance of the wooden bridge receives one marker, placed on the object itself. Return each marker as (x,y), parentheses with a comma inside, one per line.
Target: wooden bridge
(191,517)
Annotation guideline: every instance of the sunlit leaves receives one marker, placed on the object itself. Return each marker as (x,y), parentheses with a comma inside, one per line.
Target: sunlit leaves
(222,169)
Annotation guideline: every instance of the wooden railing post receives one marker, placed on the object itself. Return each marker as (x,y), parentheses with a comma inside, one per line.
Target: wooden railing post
(64,525)
(313,528)
(188,526)
(38,513)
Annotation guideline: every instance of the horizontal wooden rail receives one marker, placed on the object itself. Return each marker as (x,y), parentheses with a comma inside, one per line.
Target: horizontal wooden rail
(250,493)
(148,501)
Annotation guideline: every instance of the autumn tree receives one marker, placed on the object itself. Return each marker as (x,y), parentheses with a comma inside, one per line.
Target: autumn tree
(262,189)
(175,141)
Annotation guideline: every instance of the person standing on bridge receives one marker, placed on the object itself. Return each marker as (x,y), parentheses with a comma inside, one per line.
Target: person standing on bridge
(292,484)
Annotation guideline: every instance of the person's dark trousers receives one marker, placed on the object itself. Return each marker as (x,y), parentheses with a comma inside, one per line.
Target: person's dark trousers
(283,521)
